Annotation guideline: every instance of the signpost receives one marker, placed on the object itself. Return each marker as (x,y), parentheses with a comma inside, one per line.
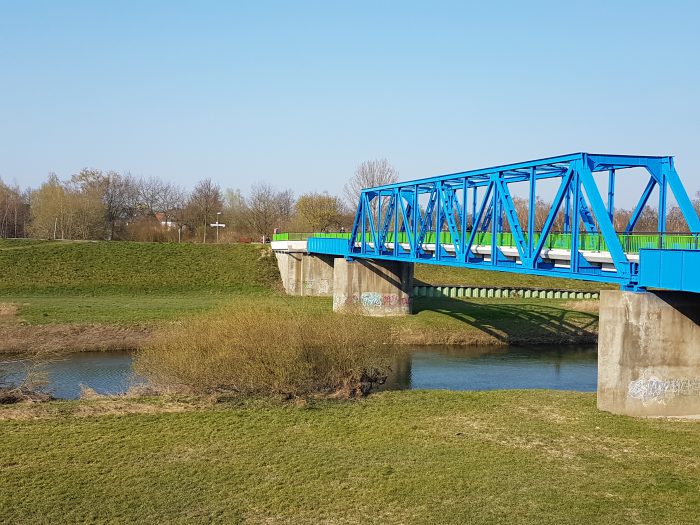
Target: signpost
(217,225)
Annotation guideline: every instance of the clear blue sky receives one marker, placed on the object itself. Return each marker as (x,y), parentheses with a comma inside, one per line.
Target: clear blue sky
(298,93)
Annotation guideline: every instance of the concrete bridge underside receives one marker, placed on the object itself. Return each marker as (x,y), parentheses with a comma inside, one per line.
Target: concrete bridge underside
(648,343)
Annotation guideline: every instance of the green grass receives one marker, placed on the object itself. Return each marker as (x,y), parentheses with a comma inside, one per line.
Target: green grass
(119,309)
(122,283)
(128,283)
(102,268)
(450,275)
(499,321)
(395,458)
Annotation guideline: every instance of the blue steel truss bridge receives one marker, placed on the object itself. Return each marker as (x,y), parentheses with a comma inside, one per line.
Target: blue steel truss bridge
(470,219)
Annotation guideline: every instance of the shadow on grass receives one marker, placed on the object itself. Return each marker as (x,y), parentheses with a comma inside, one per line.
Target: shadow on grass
(516,322)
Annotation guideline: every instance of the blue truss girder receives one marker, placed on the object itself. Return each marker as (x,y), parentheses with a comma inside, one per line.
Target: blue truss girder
(394,212)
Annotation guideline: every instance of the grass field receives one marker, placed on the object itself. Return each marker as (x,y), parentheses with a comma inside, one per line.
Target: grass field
(105,268)
(129,283)
(393,458)
(50,284)
(450,275)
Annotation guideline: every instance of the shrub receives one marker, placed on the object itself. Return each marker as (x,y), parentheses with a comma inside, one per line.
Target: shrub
(267,352)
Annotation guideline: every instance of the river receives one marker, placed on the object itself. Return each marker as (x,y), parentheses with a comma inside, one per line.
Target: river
(435,367)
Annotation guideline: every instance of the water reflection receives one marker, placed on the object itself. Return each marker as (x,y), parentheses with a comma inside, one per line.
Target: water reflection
(479,368)
(104,372)
(452,368)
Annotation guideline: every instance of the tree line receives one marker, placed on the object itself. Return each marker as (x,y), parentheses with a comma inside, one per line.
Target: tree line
(95,204)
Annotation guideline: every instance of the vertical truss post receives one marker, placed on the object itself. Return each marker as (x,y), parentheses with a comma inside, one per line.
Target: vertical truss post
(611,194)
(397,196)
(437,188)
(363,238)
(474,195)
(463,225)
(416,223)
(574,264)
(662,204)
(532,208)
(379,220)
(495,214)
(567,211)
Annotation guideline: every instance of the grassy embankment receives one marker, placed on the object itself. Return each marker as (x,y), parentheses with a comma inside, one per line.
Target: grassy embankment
(404,457)
(98,295)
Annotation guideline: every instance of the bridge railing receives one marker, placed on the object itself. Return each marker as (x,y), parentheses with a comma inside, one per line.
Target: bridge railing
(631,242)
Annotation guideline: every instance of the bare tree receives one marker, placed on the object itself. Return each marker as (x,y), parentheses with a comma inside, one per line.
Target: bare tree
(369,174)
(120,198)
(205,201)
(268,208)
(14,211)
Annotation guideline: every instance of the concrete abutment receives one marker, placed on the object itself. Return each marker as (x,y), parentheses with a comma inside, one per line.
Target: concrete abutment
(306,274)
(380,288)
(649,353)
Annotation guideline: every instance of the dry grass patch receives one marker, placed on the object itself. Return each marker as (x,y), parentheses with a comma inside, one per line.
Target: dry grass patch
(267,351)
(26,339)
(101,406)
(587,305)
(8,310)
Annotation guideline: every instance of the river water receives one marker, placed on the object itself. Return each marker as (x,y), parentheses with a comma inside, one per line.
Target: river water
(452,368)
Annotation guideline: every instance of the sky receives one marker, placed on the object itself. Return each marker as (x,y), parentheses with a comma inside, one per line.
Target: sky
(299,93)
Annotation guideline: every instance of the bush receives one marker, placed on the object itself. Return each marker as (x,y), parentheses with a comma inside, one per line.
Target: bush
(273,352)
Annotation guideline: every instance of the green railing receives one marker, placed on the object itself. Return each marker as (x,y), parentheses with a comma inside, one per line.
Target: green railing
(631,243)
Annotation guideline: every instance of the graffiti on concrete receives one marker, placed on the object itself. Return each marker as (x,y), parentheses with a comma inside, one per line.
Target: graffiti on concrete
(651,389)
(371,300)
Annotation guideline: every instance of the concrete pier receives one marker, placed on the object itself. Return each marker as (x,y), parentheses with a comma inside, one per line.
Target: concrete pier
(381,288)
(304,274)
(649,353)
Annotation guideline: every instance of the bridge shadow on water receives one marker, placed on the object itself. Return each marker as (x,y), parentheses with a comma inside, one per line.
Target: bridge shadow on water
(519,322)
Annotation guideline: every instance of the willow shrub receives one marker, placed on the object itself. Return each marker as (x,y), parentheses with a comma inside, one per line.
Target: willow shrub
(273,352)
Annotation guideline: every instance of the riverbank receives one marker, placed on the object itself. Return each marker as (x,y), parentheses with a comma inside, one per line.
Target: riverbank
(476,322)
(395,457)
(92,296)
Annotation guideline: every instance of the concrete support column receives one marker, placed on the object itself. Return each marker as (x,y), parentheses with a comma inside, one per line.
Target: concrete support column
(649,353)
(380,288)
(304,274)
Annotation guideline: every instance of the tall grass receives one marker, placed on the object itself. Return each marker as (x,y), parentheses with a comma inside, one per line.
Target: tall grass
(269,352)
